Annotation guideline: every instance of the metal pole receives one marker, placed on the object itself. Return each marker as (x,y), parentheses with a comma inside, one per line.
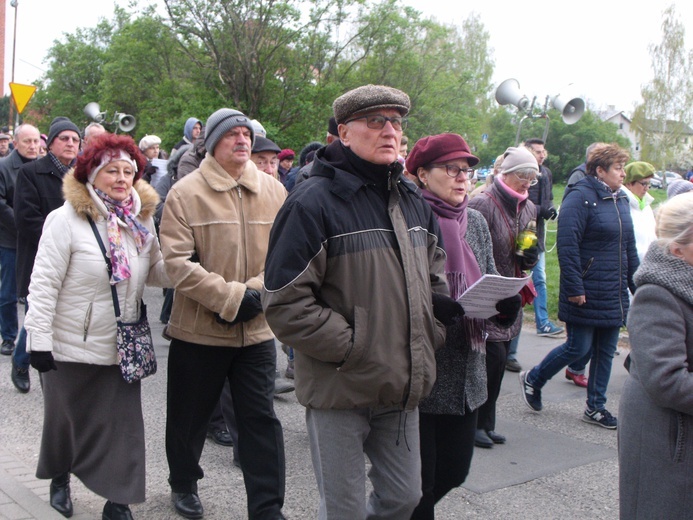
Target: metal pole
(14,4)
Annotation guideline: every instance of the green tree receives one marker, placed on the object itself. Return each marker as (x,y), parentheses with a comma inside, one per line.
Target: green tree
(662,119)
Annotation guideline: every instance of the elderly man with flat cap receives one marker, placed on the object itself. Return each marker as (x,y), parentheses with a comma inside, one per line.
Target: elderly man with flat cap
(214,235)
(354,276)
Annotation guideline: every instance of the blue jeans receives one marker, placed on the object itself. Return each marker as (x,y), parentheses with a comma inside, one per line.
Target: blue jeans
(512,348)
(541,312)
(9,322)
(582,339)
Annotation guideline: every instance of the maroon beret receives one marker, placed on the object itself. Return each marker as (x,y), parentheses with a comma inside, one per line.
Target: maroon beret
(439,149)
(286,153)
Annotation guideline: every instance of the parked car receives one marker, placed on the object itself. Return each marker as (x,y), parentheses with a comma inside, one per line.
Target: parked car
(481,174)
(656,181)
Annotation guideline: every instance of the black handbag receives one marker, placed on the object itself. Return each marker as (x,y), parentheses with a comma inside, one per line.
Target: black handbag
(136,356)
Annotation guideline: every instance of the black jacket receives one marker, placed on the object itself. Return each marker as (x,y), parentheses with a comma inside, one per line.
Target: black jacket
(9,166)
(39,191)
(541,194)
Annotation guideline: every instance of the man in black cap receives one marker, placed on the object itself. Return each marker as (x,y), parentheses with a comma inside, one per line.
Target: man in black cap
(353,277)
(214,234)
(39,191)
(5,139)
(265,156)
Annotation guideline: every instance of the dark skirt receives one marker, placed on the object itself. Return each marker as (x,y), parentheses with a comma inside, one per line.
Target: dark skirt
(93,428)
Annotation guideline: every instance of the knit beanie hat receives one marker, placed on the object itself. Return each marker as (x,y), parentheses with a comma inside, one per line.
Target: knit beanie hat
(678,186)
(148,141)
(637,171)
(222,121)
(58,125)
(369,97)
(517,159)
(332,127)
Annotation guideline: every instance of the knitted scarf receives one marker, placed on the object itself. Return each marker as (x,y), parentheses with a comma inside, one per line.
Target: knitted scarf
(121,211)
(660,267)
(461,266)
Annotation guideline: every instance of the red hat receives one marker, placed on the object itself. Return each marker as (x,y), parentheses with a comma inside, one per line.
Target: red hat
(286,153)
(438,149)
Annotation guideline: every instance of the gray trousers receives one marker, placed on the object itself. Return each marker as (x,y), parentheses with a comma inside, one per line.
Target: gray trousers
(390,438)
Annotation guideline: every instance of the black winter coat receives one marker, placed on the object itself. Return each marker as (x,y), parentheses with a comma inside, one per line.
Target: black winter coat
(39,191)
(597,255)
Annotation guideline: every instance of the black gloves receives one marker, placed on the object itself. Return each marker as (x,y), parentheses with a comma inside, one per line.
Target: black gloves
(508,310)
(529,257)
(551,213)
(42,361)
(446,310)
(250,307)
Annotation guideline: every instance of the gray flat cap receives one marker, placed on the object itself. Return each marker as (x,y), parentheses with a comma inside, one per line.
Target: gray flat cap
(369,97)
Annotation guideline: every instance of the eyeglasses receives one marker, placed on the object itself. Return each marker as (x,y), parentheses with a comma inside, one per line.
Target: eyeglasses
(453,170)
(376,122)
(644,184)
(66,138)
(525,178)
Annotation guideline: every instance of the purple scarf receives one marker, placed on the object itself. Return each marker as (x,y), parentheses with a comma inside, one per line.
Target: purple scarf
(461,266)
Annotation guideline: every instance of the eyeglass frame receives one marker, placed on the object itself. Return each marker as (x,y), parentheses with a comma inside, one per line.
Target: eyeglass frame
(392,120)
(469,171)
(66,138)
(646,185)
(532,182)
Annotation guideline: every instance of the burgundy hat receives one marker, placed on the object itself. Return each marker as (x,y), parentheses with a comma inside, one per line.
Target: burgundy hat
(286,153)
(438,149)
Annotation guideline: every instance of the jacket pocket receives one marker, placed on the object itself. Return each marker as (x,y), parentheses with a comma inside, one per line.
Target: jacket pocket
(87,321)
(678,437)
(587,267)
(359,343)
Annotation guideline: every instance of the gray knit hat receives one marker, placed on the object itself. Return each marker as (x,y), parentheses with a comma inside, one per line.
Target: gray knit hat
(369,97)
(222,121)
(58,125)
(678,186)
(517,159)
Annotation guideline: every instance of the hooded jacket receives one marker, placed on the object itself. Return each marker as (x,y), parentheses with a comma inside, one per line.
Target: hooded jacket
(596,253)
(70,304)
(214,235)
(353,259)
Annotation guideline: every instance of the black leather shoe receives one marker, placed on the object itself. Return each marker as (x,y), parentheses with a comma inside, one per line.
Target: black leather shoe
(482,440)
(187,505)
(20,378)
(497,438)
(60,495)
(221,437)
(7,347)
(113,511)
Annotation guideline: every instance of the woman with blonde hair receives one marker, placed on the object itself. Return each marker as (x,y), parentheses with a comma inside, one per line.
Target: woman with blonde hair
(655,445)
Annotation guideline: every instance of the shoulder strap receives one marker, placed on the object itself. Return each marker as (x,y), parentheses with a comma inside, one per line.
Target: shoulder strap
(109,267)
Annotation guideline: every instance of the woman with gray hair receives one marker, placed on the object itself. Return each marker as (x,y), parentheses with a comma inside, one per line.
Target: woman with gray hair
(655,447)
(508,211)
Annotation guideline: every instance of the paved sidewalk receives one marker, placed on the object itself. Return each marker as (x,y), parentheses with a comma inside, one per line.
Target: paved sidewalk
(554,465)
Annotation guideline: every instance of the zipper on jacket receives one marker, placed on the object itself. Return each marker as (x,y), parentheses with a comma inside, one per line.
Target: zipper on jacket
(587,267)
(245,250)
(620,260)
(87,321)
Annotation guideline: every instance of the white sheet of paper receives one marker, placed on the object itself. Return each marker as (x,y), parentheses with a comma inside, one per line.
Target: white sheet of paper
(479,301)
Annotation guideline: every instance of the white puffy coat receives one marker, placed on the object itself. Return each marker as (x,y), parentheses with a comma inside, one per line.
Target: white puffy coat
(70,305)
(643,222)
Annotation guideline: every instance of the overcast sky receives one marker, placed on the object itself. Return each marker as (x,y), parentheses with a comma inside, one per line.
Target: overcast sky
(600,46)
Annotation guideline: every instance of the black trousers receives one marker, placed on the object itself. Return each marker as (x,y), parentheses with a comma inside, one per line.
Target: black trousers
(496,354)
(447,446)
(196,375)
(224,418)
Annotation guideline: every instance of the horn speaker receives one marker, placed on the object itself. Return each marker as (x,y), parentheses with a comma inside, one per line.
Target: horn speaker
(508,93)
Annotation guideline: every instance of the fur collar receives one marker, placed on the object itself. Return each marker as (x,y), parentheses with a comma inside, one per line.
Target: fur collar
(78,195)
(219,180)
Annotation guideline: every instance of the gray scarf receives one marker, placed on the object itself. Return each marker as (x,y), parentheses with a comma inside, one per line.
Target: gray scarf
(660,267)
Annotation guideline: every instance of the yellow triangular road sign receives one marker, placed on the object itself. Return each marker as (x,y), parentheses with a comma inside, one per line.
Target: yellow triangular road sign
(21,95)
